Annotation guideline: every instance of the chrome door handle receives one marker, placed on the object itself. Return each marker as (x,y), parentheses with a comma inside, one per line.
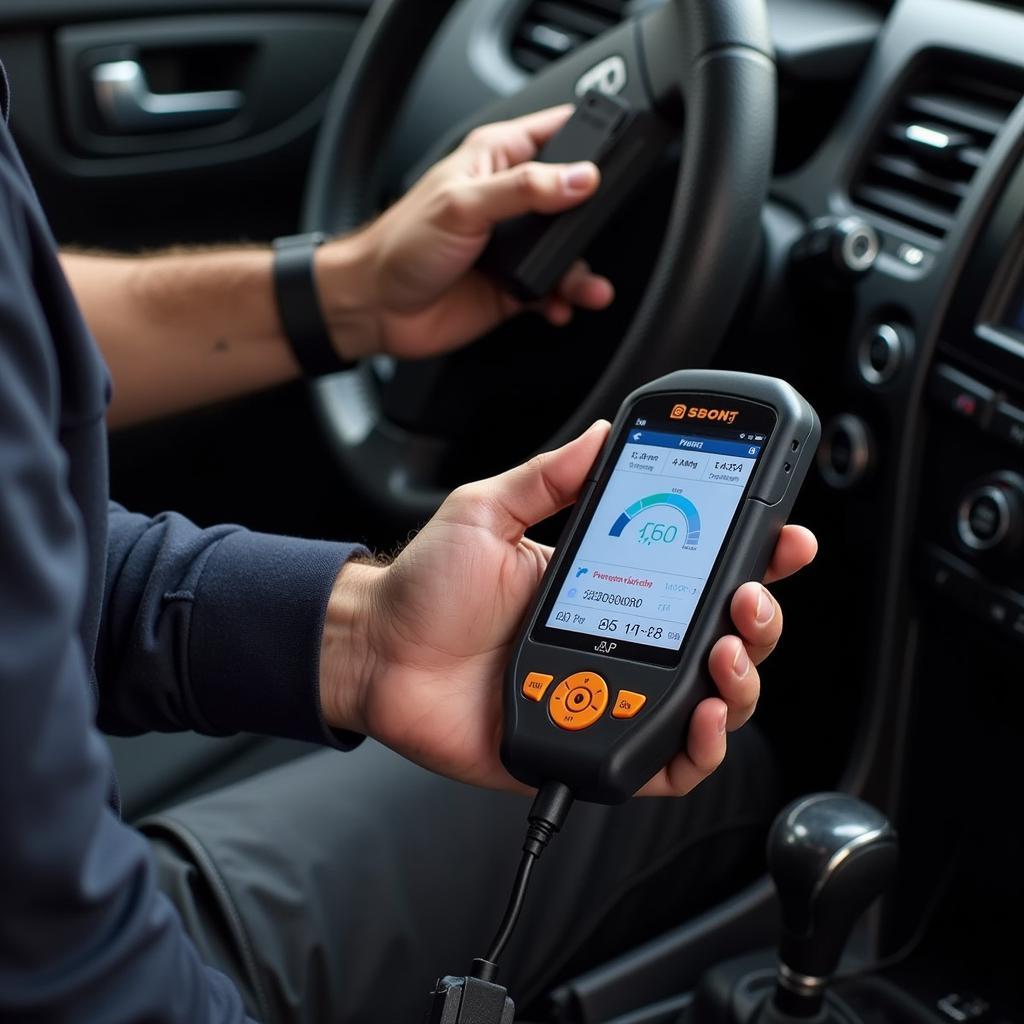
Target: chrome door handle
(127,104)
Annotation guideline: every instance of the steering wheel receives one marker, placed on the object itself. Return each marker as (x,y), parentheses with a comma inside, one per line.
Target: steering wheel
(704,67)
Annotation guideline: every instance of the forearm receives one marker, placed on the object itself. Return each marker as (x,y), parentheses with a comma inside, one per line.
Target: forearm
(183,329)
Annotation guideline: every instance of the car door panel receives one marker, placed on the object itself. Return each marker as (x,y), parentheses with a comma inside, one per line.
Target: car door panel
(57,12)
(277,66)
(239,178)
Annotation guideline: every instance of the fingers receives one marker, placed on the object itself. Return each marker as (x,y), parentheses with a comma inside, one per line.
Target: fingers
(476,204)
(733,665)
(733,660)
(514,501)
(514,141)
(497,179)
(541,555)
(736,676)
(580,287)
(757,617)
(705,751)
(556,310)
(796,548)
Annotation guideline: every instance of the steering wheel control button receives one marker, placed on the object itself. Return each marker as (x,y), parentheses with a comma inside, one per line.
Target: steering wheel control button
(844,455)
(609,76)
(962,1007)
(881,353)
(536,685)
(961,395)
(628,704)
(578,701)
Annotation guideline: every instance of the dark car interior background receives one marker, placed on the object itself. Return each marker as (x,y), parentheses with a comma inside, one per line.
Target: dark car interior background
(899,124)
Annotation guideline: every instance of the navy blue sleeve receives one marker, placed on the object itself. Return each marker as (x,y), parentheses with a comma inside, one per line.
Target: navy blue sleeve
(214,630)
(84,934)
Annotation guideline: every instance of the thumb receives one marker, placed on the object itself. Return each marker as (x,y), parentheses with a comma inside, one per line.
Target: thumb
(530,187)
(509,504)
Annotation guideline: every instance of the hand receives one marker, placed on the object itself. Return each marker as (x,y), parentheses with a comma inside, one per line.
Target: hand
(414,653)
(417,290)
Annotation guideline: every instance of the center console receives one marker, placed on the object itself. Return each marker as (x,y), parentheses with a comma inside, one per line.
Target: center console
(917,369)
(972,495)
(893,292)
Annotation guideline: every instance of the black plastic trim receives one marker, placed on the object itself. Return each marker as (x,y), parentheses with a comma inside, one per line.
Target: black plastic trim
(62,12)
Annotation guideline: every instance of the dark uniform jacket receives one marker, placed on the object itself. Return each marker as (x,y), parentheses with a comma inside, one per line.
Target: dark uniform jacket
(116,622)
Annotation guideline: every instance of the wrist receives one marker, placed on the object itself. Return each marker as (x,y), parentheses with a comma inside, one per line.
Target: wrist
(346,280)
(348,653)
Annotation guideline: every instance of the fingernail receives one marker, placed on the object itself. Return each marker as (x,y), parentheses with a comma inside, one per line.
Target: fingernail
(765,611)
(723,720)
(741,663)
(578,177)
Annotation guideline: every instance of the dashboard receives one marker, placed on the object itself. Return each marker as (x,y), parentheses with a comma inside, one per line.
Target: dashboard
(918,370)
(907,122)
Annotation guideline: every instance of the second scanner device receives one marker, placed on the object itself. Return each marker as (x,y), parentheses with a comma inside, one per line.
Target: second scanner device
(529,254)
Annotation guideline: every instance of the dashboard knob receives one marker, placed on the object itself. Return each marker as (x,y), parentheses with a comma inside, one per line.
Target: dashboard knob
(845,451)
(990,516)
(838,249)
(881,352)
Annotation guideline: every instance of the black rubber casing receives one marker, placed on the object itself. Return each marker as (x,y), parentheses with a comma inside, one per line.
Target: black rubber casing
(613,758)
(528,255)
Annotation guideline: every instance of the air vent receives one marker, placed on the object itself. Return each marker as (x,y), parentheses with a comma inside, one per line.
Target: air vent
(550,29)
(938,134)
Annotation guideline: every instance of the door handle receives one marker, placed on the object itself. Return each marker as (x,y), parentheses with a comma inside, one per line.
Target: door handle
(127,104)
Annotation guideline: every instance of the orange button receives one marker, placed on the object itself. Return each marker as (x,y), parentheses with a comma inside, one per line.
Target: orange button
(536,685)
(579,698)
(628,703)
(578,701)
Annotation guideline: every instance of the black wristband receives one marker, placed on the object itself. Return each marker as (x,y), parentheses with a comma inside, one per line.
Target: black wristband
(298,305)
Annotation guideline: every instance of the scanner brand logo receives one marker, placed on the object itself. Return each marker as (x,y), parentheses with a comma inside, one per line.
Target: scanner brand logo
(699,412)
(608,77)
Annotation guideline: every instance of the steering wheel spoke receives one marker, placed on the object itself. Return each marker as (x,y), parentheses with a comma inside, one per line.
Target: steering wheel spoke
(615,63)
(349,408)
(612,63)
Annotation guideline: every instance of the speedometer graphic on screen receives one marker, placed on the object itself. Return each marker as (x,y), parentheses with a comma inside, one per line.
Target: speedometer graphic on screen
(685,523)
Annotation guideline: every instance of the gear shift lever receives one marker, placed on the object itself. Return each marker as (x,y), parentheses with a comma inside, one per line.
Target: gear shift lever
(830,856)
